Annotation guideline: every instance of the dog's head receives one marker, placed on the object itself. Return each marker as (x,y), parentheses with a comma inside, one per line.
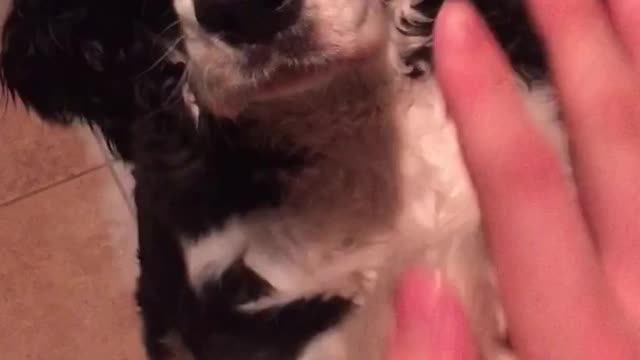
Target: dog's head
(109,61)
(242,50)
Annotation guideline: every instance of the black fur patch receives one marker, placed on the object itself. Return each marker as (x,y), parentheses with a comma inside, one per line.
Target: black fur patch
(223,333)
(80,59)
(210,324)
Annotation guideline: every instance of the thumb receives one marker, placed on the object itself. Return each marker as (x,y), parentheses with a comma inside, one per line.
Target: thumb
(429,321)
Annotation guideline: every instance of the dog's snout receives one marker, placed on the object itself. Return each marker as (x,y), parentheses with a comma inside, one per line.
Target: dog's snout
(246,21)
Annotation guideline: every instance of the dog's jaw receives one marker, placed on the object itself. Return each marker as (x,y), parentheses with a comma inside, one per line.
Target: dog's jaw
(330,37)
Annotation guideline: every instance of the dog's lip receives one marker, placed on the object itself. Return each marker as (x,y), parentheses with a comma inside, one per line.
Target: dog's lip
(287,77)
(308,70)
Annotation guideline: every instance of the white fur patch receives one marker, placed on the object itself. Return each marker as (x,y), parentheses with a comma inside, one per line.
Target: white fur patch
(208,257)
(186,10)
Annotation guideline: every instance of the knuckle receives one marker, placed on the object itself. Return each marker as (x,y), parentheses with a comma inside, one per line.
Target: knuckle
(611,114)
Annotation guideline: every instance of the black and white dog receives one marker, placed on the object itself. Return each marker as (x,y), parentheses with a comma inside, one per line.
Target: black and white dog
(290,157)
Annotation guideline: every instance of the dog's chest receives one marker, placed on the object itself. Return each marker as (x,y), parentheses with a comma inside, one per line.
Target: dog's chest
(387,189)
(386,182)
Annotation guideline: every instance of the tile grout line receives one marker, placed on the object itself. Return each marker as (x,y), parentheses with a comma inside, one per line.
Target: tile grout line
(51,185)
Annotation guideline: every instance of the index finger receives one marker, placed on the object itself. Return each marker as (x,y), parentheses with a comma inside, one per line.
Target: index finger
(430,322)
(547,270)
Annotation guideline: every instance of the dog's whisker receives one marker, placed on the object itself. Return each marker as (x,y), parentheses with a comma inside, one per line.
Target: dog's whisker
(169,27)
(169,51)
(53,36)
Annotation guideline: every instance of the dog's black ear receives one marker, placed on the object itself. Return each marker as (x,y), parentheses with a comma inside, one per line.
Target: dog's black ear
(514,30)
(79,59)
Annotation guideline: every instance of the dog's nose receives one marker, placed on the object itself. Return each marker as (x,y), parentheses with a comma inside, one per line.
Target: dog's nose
(246,21)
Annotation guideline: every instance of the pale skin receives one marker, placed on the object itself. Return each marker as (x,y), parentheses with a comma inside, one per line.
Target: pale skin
(568,269)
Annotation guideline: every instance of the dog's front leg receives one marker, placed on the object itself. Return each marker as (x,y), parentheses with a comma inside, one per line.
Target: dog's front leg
(162,289)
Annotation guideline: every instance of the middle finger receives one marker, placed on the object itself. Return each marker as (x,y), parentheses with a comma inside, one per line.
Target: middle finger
(600,94)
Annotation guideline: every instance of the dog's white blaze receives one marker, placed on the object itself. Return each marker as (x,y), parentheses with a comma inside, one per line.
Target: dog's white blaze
(186,10)
(206,258)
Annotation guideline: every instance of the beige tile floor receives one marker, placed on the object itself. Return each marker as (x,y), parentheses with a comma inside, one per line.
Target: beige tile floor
(67,246)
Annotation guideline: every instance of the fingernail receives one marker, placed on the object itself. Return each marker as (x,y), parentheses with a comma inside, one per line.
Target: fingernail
(418,299)
(451,339)
(427,312)
(457,24)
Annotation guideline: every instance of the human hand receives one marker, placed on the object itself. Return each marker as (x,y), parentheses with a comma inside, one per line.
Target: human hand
(568,268)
